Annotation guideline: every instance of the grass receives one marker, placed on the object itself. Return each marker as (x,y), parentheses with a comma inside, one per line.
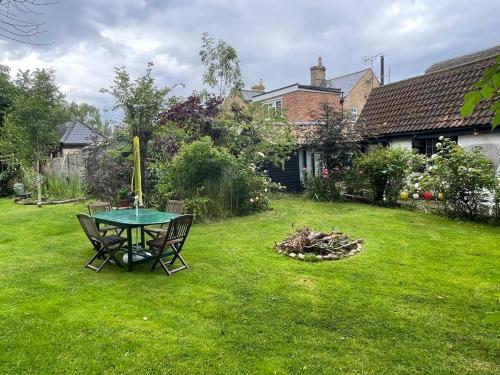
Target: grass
(412,302)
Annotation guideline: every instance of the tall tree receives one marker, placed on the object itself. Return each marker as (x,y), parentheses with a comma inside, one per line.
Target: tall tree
(31,130)
(222,65)
(7,93)
(141,102)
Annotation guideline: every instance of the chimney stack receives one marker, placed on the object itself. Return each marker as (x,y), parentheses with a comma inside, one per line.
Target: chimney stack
(382,70)
(259,87)
(318,74)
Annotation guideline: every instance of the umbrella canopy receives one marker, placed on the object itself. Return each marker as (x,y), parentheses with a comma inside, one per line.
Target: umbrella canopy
(136,176)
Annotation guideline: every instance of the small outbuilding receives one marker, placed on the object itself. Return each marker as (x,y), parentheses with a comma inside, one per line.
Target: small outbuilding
(76,137)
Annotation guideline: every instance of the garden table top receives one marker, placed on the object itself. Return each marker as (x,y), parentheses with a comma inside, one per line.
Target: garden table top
(129,217)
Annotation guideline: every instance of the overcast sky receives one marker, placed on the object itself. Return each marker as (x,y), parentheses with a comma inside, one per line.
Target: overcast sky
(276,40)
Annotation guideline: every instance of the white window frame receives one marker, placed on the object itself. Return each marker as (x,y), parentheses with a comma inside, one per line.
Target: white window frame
(273,104)
(354,114)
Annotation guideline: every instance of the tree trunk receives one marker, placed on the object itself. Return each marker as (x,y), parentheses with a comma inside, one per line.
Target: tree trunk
(38,183)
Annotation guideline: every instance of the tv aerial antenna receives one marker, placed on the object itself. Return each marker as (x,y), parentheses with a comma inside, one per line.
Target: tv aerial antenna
(371,59)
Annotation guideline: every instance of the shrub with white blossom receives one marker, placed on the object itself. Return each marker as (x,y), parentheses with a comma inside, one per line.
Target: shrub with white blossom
(459,178)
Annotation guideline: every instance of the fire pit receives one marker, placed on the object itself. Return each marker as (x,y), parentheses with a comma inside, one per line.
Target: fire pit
(306,244)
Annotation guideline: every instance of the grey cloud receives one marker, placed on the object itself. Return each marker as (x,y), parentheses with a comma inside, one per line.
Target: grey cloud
(276,40)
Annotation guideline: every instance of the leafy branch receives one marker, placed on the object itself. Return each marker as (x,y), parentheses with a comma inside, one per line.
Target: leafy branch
(487,88)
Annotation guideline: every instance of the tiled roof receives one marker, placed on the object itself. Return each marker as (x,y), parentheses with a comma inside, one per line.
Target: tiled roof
(450,63)
(428,102)
(77,133)
(346,83)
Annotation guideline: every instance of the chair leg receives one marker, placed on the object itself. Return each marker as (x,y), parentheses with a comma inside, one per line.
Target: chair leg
(159,263)
(107,259)
(177,255)
(98,254)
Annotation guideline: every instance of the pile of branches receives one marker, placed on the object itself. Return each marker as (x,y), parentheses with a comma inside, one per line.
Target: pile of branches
(324,246)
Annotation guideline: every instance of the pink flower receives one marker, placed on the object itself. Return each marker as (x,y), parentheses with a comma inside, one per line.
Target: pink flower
(324,172)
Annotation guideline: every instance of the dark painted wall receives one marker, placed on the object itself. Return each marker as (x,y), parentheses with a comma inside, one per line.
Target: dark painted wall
(290,177)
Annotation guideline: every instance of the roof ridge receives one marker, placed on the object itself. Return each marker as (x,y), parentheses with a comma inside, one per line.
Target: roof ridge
(438,71)
(463,59)
(349,74)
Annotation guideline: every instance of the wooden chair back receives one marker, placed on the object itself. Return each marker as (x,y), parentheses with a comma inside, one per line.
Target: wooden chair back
(90,228)
(174,206)
(177,231)
(99,207)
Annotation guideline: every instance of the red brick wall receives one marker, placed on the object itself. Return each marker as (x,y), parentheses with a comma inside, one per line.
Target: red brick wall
(297,106)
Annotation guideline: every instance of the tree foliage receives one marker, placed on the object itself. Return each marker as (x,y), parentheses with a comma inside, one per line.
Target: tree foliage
(141,101)
(487,88)
(336,137)
(222,65)
(31,131)
(7,93)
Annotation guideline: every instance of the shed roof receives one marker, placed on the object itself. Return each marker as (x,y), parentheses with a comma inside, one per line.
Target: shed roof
(77,134)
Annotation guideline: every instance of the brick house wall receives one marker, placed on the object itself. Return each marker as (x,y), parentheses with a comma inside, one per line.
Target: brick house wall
(359,93)
(297,106)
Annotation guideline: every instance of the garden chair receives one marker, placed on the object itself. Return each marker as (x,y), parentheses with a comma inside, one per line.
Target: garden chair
(173,206)
(171,244)
(103,207)
(105,246)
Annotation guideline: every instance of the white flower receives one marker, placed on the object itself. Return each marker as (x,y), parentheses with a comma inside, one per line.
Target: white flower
(430,168)
(251,200)
(415,196)
(439,144)
(433,156)
(261,154)
(265,190)
(417,185)
(441,138)
(256,199)
(420,177)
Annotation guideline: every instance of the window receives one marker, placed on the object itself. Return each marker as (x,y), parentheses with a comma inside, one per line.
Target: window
(354,114)
(427,146)
(274,106)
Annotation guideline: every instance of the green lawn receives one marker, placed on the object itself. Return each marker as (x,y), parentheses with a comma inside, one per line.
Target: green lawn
(413,301)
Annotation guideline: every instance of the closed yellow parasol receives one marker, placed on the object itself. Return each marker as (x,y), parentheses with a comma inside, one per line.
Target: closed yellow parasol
(136,176)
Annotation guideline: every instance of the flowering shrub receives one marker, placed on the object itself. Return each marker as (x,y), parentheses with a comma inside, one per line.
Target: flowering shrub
(387,169)
(213,182)
(322,188)
(460,178)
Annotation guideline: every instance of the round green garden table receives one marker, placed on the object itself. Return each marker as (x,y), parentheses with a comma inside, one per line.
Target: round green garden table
(129,219)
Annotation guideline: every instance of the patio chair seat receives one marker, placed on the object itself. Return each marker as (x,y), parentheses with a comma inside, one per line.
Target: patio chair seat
(158,242)
(113,240)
